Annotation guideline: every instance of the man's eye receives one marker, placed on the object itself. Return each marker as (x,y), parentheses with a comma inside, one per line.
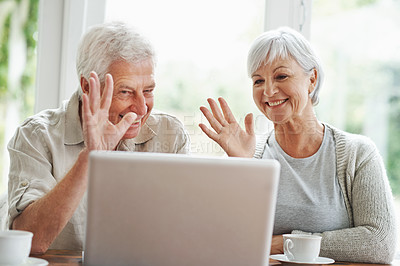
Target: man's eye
(126,93)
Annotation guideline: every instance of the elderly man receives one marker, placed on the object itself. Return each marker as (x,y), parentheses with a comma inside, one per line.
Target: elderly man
(111,111)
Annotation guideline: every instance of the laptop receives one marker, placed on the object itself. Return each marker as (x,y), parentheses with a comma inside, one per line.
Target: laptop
(168,209)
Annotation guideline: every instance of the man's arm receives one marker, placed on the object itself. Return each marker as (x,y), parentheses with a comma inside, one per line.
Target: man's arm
(46,217)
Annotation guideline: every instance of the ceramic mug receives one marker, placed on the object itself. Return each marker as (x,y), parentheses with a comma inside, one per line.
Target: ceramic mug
(15,246)
(301,248)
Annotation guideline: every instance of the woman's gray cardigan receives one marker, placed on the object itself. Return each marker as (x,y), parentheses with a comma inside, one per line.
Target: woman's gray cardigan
(362,177)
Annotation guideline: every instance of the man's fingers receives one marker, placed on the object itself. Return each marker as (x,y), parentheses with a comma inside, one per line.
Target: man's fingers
(106,98)
(125,123)
(94,92)
(86,113)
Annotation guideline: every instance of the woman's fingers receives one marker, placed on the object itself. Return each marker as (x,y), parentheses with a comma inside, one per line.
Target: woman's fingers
(217,112)
(226,110)
(217,119)
(249,124)
(212,135)
(214,123)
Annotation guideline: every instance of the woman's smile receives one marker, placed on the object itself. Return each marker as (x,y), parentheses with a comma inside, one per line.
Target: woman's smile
(276,103)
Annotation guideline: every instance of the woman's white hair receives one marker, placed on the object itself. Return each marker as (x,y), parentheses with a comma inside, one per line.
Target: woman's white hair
(107,43)
(283,43)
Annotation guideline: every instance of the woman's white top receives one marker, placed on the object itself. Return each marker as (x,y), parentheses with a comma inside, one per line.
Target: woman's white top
(309,196)
(371,236)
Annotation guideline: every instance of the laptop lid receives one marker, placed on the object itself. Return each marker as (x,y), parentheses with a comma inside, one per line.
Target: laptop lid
(167,209)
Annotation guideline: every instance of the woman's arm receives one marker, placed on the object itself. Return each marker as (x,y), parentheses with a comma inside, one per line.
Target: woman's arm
(373,237)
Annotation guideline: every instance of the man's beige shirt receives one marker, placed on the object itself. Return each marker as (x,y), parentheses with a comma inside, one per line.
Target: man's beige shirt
(46,146)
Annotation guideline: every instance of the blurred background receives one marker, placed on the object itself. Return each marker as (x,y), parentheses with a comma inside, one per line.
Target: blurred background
(202,48)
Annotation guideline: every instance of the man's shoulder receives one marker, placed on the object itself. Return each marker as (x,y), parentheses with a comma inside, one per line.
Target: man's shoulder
(50,116)
(45,124)
(45,118)
(159,119)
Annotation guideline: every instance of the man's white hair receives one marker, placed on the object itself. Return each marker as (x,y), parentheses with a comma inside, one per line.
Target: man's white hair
(284,43)
(107,43)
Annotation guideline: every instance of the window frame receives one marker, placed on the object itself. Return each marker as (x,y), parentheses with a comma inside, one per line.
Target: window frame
(60,26)
(62,23)
(292,13)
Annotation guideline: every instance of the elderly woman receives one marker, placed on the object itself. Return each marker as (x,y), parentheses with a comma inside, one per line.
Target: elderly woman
(332,183)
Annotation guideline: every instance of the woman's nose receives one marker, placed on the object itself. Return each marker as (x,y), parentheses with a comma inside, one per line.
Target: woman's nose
(270,89)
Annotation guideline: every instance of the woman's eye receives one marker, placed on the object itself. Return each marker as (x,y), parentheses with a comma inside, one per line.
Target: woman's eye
(258,82)
(281,77)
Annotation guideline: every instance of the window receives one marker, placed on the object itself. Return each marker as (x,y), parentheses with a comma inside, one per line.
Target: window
(202,48)
(359,42)
(23,90)
(202,51)
(18,33)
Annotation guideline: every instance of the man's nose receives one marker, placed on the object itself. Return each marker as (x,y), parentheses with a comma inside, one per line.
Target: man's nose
(138,105)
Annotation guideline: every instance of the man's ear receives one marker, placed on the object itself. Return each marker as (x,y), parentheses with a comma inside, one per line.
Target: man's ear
(313,80)
(84,85)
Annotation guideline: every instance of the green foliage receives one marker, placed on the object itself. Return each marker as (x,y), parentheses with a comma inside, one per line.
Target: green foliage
(332,7)
(2,186)
(361,76)
(393,161)
(25,94)
(27,81)
(393,164)
(4,57)
(28,77)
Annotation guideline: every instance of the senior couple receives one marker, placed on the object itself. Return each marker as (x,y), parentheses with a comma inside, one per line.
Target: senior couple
(332,183)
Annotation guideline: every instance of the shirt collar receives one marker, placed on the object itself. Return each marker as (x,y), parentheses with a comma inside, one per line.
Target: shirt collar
(146,133)
(73,127)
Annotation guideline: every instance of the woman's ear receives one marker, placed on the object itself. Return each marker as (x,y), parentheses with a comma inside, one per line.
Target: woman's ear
(84,85)
(313,80)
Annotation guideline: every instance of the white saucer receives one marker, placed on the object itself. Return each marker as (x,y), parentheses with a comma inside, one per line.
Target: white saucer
(31,261)
(319,260)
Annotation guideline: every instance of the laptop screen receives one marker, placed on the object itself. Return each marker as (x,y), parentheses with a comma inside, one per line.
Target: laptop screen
(168,209)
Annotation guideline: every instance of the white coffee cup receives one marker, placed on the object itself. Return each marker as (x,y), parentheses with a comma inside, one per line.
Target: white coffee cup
(301,248)
(15,246)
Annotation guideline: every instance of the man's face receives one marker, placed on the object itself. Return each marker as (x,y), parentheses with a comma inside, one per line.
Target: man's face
(133,92)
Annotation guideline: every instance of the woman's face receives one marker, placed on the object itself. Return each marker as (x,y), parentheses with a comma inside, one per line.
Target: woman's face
(281,90)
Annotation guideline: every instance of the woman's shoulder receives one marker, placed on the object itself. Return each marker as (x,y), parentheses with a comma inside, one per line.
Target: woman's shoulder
(351,138)
(350,143)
